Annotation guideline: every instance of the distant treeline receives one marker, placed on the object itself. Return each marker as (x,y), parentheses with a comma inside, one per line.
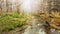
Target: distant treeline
(14,5)
(9,5)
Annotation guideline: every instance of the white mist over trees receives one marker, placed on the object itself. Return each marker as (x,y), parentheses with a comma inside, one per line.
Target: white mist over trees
(29,5)
(9,5)
(23,5)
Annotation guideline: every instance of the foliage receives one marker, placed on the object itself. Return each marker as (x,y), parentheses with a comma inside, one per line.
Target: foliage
(11,20)
(52,18)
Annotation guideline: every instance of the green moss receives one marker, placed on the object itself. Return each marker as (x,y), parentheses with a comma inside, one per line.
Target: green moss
(10,21)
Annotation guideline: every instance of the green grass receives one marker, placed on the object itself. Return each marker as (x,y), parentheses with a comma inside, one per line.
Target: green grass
(11,21)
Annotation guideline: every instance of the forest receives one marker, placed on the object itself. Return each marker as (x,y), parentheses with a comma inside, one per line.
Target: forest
(29,16)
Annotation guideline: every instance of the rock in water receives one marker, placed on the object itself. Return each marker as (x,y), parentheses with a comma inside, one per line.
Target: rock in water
(36,27)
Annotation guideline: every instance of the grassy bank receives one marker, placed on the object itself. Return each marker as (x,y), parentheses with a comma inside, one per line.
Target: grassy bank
(11,20)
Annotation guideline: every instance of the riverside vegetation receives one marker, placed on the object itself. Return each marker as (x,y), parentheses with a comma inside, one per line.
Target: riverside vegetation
(11,20)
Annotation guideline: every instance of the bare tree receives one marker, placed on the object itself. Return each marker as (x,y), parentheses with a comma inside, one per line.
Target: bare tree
(7,5)
(17,6)
(0,5)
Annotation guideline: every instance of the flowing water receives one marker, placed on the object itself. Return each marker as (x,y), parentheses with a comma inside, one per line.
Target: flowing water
(35,27)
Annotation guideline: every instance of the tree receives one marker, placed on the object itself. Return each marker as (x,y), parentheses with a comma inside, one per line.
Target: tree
(17,6)
(7,5)
(0,5)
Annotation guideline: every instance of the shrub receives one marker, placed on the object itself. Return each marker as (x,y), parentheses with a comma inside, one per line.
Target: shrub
(11,20)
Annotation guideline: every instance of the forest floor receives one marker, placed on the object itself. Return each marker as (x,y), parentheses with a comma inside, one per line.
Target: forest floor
(14,31)
(17,30)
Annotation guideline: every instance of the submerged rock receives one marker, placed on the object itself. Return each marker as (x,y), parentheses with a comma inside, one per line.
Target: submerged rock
(36,27)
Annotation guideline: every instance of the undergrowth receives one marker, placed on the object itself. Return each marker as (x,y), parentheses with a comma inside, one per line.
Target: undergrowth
(11,20)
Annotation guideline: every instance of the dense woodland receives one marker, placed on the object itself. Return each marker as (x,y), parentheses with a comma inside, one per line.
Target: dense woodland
(14,20)
(9,5)
(14,5)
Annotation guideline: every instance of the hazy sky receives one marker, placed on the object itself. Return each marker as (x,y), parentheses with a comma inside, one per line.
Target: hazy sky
(30,5)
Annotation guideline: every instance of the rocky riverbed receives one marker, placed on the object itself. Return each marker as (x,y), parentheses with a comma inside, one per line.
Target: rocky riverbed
(33,26)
